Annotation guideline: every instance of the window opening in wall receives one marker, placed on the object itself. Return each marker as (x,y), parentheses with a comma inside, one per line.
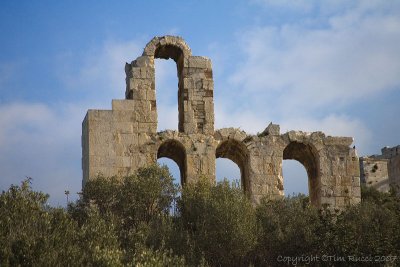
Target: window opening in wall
(229,170)
(166,80)
(295,178)
(237,153)
(304,154)
(175,172)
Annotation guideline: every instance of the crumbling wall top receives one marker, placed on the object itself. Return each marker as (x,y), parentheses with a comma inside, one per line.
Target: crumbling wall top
(152,47)
(389,152)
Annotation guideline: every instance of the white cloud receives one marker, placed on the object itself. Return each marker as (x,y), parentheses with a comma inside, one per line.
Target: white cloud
(299,5)
(355,56)
(326,7)
(101,72)
(248,121)
(44,143)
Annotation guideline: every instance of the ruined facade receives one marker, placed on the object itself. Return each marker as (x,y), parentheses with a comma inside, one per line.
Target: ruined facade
(118,141)
(381,171)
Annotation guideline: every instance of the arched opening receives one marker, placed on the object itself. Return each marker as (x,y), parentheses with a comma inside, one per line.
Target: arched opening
(175,172)
(227,169)
(167,96)
(173,169)
(166,87)
(238,153)
(175,151)
(295,176)
(306,155)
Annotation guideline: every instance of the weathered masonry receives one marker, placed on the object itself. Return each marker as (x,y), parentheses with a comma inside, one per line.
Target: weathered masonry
(118,141)
(381,171)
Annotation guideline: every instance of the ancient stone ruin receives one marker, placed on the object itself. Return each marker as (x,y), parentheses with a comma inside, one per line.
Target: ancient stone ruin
(381,171)
(119,141)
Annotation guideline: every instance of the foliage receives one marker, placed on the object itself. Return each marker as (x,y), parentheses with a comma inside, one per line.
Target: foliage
(137,206)
(288,226)
(217,222)
(33,234)
(369,228)
(128,222)
(157,258)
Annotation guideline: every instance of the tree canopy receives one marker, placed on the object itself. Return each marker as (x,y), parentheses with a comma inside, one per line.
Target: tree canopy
(132,221)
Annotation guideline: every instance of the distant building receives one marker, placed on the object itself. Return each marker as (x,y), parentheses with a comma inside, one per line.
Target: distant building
(381,171)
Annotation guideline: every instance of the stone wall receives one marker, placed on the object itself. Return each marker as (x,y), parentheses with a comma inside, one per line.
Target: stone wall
(119,141)
(381,171)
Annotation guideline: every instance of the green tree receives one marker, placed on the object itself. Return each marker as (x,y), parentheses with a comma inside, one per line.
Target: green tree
(287,227)
(34,234)
(217,223)
(28,228)
(137,205)
(370,228)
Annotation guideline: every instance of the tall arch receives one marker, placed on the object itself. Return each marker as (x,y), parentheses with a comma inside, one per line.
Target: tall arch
(307,156)
(172,47)
(239,154)
(195,86)
(174,150)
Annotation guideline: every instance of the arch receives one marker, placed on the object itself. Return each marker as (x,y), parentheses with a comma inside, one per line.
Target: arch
(307,155)
(174,150)
(173,47)
(227,169)
(239,154)
(296,177)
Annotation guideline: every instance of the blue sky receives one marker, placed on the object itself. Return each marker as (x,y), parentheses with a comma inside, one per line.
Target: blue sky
(304,64)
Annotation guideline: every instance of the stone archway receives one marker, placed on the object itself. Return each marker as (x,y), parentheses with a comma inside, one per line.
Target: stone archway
(174,150)
(239,154)
(195,85)
(307,156)
(167,47)
(121,140)
(178,50)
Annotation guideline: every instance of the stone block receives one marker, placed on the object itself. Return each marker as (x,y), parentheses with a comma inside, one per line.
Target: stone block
(150,94)
(99,115)
(143,61)
(188,83)
(147,127)
(135,73)
(124,127)
(123,104)
(328,201)
(124,116)
(140,84)
(356,181)
(339,141)
(356,191)
(199,62)
(342,202)
(272,129)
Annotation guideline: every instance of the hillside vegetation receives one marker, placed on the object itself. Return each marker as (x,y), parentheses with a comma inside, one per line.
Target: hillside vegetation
(146,220)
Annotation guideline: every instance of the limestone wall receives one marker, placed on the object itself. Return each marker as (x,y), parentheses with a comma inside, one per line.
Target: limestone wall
(382,171)
(125,138)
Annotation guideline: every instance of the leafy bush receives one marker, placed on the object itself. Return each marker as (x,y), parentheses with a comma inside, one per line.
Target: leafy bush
(137,206)
(289,227)
(128,222)
(217,223)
